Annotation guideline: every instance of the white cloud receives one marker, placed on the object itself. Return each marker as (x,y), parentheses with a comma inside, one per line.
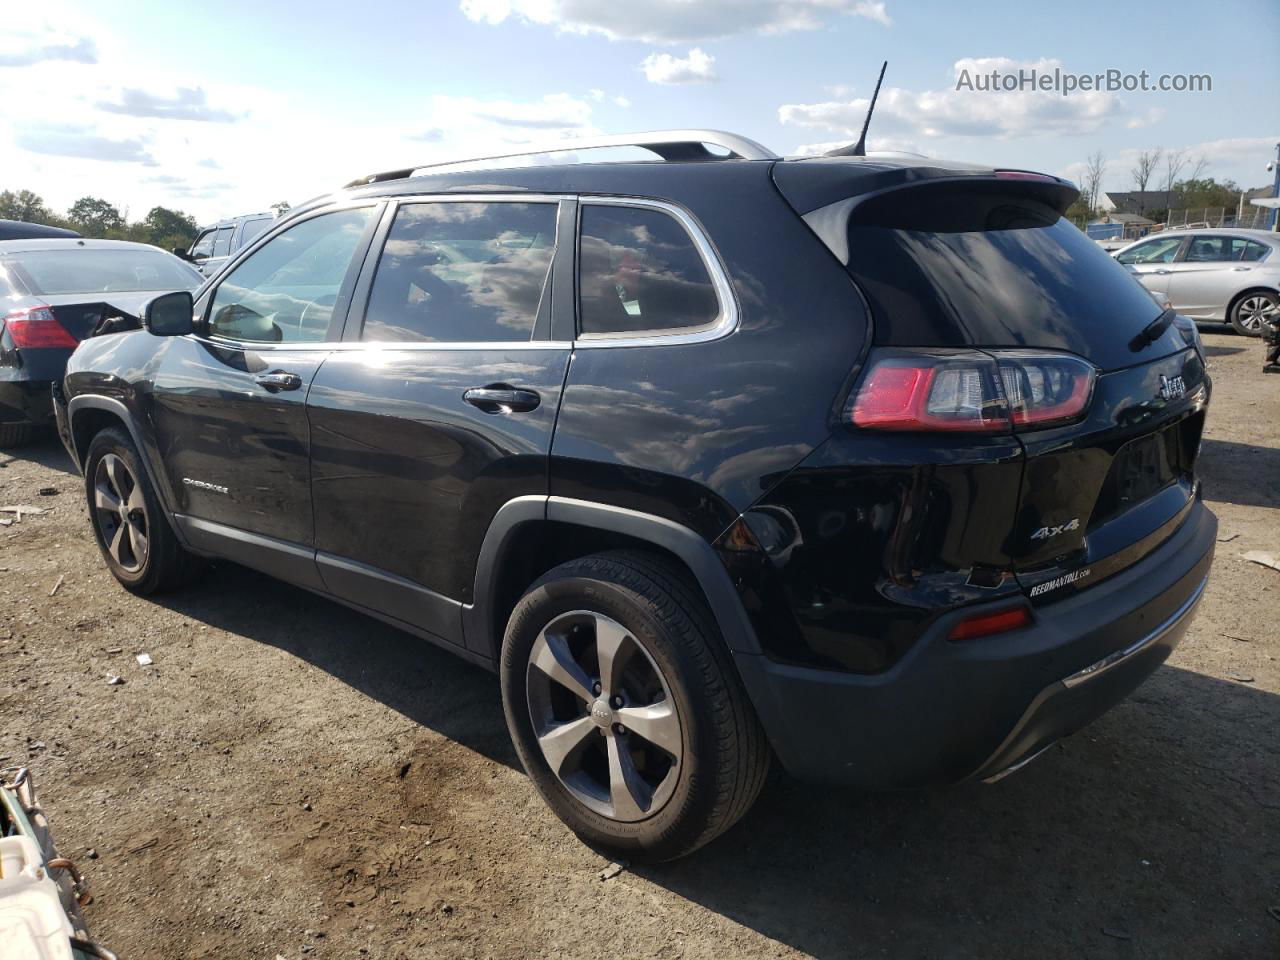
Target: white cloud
(67,140)
(965,113)
(186,103)
(23,47)
(697,67)
(556,112)
(880,144)
(674,21)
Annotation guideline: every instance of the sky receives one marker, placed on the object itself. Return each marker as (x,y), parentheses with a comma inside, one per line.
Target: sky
(230,108)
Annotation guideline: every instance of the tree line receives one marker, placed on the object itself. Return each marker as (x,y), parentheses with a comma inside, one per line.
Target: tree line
(1174,173)
(100,219)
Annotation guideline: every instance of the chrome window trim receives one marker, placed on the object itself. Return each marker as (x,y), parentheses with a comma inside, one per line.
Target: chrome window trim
(726,320)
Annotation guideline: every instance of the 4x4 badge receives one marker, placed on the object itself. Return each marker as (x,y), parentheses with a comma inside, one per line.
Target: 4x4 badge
(1044,533)
(1172,387)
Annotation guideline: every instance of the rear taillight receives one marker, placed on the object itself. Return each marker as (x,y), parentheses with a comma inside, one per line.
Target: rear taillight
(1043,389)
(37,327)
(971,390)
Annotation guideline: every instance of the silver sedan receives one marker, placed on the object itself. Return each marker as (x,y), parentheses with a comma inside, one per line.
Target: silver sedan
(1219,276)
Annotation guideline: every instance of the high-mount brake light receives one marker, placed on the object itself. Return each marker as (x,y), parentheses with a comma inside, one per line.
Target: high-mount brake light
(1025,175)
(35,328)
(971,390)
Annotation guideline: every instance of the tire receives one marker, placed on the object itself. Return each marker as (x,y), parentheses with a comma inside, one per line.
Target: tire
(1247,311)
(138,545)
(16,434)
(618,790)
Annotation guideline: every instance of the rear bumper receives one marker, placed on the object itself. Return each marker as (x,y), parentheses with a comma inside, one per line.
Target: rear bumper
(25,401)
(951,711)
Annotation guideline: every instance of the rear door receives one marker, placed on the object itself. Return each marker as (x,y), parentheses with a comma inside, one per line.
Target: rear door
(229,404)
(1209,273)
(439,406)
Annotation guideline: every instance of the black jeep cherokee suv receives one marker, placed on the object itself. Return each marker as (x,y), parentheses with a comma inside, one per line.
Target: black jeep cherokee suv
(876,464)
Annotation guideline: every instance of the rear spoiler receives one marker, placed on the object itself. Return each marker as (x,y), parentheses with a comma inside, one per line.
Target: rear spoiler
(831,221)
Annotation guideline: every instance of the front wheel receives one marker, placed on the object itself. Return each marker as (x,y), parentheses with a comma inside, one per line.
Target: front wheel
(625,710)
(1253,310)
(136,541)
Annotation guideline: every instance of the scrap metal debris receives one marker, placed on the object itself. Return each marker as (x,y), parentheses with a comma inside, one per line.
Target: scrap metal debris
(113,680)
(61,577)
(21,510)
(1262,557)
(144,659)
(613,869)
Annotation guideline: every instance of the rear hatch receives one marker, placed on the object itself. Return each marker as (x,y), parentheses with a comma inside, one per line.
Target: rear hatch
(988,265)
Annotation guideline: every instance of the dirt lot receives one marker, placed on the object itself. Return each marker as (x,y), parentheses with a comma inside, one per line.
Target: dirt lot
(291,778)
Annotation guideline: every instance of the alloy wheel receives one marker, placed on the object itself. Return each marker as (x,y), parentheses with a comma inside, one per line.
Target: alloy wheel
(603,716)
(120,511)
(1254,310)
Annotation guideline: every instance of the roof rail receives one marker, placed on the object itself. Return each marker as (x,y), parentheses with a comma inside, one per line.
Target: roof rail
(667,144)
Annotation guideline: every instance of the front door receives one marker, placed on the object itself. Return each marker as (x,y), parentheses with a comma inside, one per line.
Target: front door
(440,406)
(229,403)
(1151,260)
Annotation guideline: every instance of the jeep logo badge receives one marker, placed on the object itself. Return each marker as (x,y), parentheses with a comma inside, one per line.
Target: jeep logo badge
(1172,387)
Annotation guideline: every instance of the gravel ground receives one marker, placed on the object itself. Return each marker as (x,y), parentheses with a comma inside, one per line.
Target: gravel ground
(290,778)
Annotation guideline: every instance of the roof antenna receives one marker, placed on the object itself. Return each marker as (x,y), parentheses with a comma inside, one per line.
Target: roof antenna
(859,149)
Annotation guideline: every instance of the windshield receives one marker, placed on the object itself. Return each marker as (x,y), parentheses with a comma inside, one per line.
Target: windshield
(54,272)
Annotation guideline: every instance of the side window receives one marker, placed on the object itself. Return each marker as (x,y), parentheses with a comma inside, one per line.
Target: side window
(285,291)
(460,272)
(1207,249)
(1153,251)
(640,272)
(1253,251)
(222,241)
(203,247)
(251,230)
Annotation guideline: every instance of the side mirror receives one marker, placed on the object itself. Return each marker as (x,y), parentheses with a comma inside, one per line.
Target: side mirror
(169,315)
(181,253)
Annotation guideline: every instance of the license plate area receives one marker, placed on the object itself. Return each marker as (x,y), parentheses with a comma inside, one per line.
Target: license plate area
(1139,470)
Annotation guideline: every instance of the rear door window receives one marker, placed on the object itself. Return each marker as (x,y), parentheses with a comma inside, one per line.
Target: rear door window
(462,272)
(252,229)
(640,272)
(1251,251)
(1208,249)
(222,241)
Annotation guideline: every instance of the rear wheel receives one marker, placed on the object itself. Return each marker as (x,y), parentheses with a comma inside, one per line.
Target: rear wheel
(1252,310)
(625,710)
(136,540)
(16,434)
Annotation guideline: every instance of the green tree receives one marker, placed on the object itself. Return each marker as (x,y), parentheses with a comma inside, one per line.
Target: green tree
(169,228)
(1208,192)
(281,208)
(24,205)
(95,217)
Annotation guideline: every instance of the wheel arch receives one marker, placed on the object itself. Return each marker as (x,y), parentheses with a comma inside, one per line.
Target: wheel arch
(530,535)
(89,414)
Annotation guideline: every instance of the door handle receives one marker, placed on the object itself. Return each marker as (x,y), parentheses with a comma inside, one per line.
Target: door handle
(1162,271)
(1241,269)
(278,380)
(501,398)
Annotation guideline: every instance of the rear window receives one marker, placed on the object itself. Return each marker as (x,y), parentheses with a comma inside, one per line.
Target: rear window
(103,271)
(985,265)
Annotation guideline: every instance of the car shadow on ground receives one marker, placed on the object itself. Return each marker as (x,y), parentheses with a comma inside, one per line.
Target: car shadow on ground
(1147,831)
(428,685)
(48,452)
(1104,843)
(1211,350)
(1243,473)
